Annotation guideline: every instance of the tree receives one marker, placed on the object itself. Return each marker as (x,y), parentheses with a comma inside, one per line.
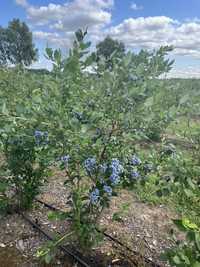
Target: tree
(4,54)
(16,44)
(109,49)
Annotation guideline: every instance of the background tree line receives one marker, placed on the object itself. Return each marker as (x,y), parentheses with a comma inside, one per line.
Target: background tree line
(16,44)
(17,47)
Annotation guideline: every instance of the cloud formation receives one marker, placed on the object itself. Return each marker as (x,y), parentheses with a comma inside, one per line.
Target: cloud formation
(185,73)
(71,15)
(61,20)
(22,3)
(136,7)
(52,38)
(152,32)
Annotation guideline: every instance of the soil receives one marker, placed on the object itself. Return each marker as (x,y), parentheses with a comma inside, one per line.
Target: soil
(142,227)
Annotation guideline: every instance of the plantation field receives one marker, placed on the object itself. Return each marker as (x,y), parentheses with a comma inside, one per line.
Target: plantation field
(116,150)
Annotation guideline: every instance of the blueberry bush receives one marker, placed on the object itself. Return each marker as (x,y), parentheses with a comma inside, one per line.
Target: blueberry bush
(186,253)
(86,119)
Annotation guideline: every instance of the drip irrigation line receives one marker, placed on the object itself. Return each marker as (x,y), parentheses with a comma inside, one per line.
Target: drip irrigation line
(115,240)
(62,248)
(147,260)
(47,205)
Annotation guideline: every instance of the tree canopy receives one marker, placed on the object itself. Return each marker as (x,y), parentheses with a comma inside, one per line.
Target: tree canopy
(16,44)
(109,48)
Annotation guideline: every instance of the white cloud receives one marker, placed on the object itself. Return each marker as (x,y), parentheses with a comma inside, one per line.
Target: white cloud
(61,20)
(186,72)
(22,3)
(72,15)
(135,7)
(55,39)
(149,32)
(152,32)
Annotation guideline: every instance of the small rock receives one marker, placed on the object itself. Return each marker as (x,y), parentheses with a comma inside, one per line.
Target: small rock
(155,242)
(20,245)
(2,245)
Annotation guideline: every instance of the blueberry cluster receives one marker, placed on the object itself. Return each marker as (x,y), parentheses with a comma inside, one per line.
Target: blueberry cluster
(108,189)
(135,160)
(116,169)
(41,138)
(135,174)
(90,165)
(65,159)
(94,196)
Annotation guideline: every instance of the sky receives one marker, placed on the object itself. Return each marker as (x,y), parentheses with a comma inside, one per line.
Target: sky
(140,24)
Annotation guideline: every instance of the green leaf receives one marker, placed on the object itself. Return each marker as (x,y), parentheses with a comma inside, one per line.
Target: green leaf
(196,264)
(149,102)
(184,99)
(191,184)
(197,240)
(57,215)
(86,45)
(188,192)
(4,109)
(3,186)
(179,224)
(176,259)
(186,223)
(57,56)
(49,52)
(84,129)
(48,258)
(184,258)
(20,109)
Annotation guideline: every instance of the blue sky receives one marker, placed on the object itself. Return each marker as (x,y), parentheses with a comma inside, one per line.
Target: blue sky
(139,24)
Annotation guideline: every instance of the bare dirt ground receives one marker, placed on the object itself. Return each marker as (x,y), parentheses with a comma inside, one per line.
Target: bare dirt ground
(142,227)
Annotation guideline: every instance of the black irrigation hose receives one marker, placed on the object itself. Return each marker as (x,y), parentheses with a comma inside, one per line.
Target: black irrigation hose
(147,260)
(62,248)
(47,205)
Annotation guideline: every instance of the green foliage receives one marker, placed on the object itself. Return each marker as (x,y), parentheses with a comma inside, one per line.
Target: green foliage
(16,44)
(95,131)
(183,175)
(4,199)
(174,180)
(48,252)
(93,122)
(26,164)
(3,46)
(195,140)
(187,253)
